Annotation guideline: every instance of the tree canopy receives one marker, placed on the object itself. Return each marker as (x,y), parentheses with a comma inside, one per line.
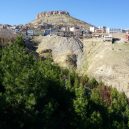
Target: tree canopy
(37,94)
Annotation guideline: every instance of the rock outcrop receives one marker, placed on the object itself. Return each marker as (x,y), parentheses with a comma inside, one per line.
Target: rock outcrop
(51,13)
(65,51)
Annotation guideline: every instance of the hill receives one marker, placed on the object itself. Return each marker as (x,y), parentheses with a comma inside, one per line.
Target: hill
(59,19)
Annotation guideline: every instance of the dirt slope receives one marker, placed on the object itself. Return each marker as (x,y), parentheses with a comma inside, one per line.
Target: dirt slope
(106,62)
(65,51)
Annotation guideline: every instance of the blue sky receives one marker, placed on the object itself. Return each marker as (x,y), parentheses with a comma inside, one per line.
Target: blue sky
(112,13)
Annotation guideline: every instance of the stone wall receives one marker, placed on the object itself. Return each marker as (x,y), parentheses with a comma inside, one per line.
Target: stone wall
(42,14)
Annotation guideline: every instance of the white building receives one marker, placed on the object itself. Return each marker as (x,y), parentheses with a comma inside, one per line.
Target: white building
(114,30)
(72,29)
(63,29)
(92,29)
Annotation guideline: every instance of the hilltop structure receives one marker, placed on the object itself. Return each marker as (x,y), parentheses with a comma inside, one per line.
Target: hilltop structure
(52,13)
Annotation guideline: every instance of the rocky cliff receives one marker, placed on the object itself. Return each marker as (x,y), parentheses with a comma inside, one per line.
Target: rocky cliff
(67,52)
(102,60)
(51,13)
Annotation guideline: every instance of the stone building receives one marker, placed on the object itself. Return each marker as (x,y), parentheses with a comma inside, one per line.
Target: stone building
(43,14)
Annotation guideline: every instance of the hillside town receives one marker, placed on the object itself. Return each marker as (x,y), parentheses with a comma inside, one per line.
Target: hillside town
(45,28)
(65,31)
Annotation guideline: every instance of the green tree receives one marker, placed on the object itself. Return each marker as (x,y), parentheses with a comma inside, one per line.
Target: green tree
(38,94)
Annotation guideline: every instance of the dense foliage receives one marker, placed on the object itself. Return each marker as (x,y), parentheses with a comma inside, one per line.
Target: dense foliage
(36,94)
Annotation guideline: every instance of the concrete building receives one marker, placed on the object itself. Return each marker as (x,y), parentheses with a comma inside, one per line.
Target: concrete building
(72,29)
(114,30)
(101,29)
(92,29)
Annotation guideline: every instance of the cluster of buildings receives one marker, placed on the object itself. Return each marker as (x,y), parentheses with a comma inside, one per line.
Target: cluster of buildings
(43,14)
(48,29)
(60,30)
(104,29)
(14,28)
(63,30)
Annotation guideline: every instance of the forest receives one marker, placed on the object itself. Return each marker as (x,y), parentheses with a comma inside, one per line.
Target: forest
(35,93)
